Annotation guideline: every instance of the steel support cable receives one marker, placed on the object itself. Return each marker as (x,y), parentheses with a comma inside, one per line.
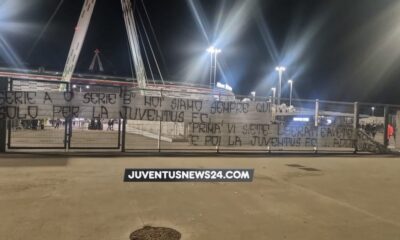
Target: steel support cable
(147,57)
(151,47)
(45,28)
(154,35)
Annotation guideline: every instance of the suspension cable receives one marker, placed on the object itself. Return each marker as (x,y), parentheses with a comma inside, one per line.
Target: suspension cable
(151,48)
(155,36)
(45,28)
(146,55)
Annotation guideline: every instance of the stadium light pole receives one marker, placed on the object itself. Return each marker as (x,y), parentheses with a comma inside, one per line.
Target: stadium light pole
(217,51)
(280,70)
(291,92)
(213,70)
(210,50)
(273,94)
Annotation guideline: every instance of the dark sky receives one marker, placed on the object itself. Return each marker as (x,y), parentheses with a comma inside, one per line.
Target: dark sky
(333,49)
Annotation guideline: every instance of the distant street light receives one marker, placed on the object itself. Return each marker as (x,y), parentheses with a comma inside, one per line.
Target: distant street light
(273,95)
(213,70)
(253,94)
(373,111)
(291,92)
(280,70)
(87,86)
(224,86)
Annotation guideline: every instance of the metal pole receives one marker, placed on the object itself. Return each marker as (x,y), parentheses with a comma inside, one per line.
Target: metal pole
(68,125)
(215,68)
(274,96)
(11,123)
(386,119)
(159,130)
(356,118)
(316,124)
(3,122)
(280,87)
(9,129)
(124,123)
(316,112)
(291,90)
(211,69)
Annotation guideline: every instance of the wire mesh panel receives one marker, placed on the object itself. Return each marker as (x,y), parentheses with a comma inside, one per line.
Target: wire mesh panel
(193,129)
(43,133)
(98,124)
(371,127)
(142,135)
(99,133)
(214,122)
(25,128)
(279,128)
(142,116)
(336,127)
(247,126)
(296,130)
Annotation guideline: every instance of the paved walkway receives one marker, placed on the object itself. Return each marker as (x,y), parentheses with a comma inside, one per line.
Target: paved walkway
(65,198)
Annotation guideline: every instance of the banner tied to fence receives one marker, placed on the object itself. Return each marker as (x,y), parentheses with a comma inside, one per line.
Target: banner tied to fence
(207,120)
(129,105)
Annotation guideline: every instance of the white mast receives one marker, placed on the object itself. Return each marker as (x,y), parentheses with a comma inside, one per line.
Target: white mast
(80,34)
(134,42)
(77,42)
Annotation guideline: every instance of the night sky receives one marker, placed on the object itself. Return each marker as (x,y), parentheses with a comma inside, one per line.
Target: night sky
(333,49)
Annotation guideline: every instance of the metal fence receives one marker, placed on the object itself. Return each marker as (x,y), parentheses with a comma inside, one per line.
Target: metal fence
(156,120)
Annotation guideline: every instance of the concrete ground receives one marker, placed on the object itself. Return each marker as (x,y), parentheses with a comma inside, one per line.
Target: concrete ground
(64,198)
